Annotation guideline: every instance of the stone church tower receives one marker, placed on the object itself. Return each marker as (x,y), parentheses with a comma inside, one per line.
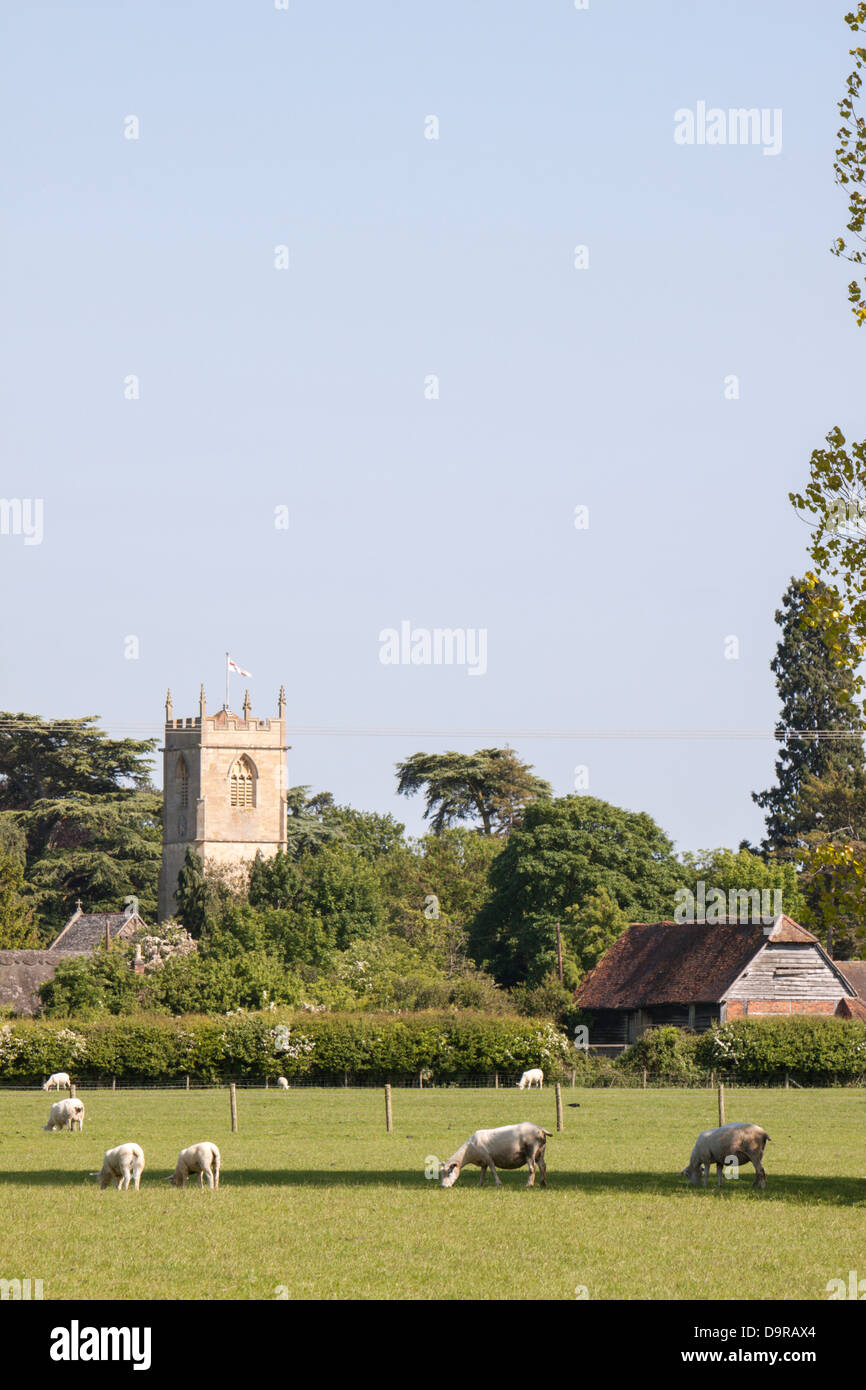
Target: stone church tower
(224,780)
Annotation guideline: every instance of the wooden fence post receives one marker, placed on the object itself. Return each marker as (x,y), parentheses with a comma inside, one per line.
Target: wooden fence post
(572,1080)
(558,1108)
(72,1089)
(233,1101)
(187,1081)
(420,1081)
(721,1104)
(496,1081)
(114,1083)
(712,1078)
(389,1118)
(644,1078)
(787,1080)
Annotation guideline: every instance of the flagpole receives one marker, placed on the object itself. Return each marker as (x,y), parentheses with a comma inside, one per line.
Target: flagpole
(227,680)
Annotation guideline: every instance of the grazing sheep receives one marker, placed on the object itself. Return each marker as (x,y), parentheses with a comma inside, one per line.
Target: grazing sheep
(121,1164)
(66,1114)
(58,1080)
(282,1083)
(203,1159)
(533,1077)
(510,1146)
(744,1142)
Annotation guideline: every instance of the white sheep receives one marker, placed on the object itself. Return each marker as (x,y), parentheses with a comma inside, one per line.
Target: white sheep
(282,1083)
(66,1114)
(203,1159)
(509,1146)
(120,1165)
(735,1141)
(533,1077)
(58,1080)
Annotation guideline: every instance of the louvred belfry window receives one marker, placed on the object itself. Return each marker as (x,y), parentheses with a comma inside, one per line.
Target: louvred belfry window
(242,784)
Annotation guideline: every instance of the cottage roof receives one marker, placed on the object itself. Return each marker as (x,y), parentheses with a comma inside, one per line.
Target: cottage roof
(680,963)
(851,1008)
(86,930)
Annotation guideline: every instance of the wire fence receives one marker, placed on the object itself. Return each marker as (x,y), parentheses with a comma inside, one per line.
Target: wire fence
(610,1080)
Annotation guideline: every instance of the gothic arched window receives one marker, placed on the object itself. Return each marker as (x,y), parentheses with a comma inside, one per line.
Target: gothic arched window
(242,784)
(182,781)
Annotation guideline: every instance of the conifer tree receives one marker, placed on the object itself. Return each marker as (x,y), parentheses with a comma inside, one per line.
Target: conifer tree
(815,685)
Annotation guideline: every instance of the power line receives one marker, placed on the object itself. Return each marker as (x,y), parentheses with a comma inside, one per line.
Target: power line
(155,730)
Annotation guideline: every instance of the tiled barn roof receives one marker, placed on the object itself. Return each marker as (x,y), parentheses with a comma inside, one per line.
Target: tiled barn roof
(679,963)
(855,973)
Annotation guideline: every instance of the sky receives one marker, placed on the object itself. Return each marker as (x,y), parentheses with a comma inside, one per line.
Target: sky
(300,347)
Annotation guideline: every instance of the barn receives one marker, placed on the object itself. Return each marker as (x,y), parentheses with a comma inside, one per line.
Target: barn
(697,975)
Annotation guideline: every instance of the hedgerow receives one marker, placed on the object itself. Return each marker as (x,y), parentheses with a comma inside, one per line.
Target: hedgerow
(272,1043)
(812,1049)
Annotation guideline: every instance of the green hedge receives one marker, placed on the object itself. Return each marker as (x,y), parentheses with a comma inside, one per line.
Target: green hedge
(811,1049)
(668,1052)
(282,1043)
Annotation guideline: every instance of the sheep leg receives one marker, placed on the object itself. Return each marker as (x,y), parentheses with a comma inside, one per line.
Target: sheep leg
(496,1178)
(530,1163)
(542,1167)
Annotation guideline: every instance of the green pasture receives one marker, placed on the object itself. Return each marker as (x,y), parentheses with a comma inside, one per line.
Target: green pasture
(318,1201)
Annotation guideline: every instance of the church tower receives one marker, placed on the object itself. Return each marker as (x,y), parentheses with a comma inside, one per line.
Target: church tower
(224,789)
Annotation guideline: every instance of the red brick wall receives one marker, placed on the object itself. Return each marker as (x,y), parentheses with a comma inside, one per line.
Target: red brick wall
(756,1007)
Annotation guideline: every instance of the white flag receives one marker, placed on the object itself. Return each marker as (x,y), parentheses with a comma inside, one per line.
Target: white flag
(233,666)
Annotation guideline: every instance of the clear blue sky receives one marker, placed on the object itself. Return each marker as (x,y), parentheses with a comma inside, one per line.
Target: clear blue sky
(409,257)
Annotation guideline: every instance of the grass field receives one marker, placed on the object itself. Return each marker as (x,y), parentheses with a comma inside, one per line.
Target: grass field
(317,1200)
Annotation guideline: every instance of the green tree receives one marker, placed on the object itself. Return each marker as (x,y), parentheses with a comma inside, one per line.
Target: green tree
(53,759)
(191,894)
(307,829)
(492,785)
(18,930)
(588,931)
(100,849)
(88,815)
(274,882)
(566,849)
(833,862)
(433,887)
(814,680)
(92,985)
(850,163)
(738,870)
(371,833)
(833,504)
